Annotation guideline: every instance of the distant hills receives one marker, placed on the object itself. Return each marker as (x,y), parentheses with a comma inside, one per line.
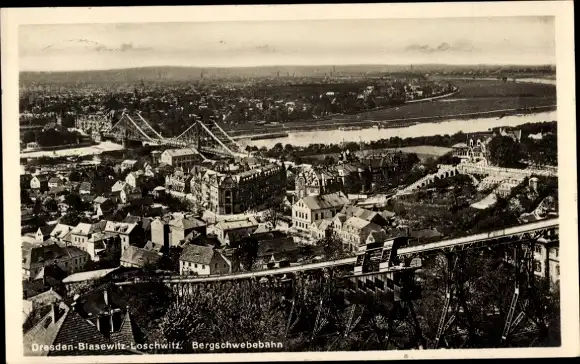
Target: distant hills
(173,74)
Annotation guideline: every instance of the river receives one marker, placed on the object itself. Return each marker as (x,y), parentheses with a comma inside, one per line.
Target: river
(449,126)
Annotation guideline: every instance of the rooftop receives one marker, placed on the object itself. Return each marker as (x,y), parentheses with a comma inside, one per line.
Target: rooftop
(320,202)
(197,254)
(180,152)
(88,276)
(237,224)
(139,256)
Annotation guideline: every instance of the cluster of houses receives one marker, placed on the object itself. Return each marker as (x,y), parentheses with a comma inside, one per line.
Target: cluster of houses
(334,215)
(476,148)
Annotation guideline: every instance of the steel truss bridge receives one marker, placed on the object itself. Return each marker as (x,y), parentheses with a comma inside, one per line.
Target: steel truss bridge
(203,138)
(524,316)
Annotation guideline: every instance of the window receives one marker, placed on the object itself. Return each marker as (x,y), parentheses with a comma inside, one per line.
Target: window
(203,266)
(216,265)
(537,266)
(196,265)
(557,252)
(538,249)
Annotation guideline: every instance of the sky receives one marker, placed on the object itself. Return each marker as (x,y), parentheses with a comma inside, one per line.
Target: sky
(497,40)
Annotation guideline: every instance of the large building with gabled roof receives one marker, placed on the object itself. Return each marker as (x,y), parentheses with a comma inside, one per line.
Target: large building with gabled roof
(235,189)
(317,207)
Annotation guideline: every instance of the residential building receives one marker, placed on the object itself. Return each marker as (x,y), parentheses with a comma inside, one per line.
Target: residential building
(509,183)
(178,181)
(235,189)
(128,164)
(120,191)
(60,231)
(103,206)
(133,179)
(81,233)
(39,183)
(86,188)
(143,222)
(119,186)
(43,299)
(515,135)
(184,158)
(475,150)
(355,232)
(172,230)
(49,277)
(355,177)
(135,257)
(202,261)
(547,260)
(55,182)
(317,181)
(368,215)
(160,232)
(103,244)
(43,233)
(231,232)
(316,207)
(182,225)
(93,123)
(69,259)
(129,233)
(322,229)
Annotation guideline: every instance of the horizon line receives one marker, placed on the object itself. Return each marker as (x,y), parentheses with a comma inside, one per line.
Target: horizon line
(303,65)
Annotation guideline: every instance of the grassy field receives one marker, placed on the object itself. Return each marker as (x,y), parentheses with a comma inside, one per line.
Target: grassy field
(474,96)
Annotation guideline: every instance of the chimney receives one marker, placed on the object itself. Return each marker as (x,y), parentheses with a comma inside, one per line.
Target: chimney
(106,297)
(111,327)
(54,312)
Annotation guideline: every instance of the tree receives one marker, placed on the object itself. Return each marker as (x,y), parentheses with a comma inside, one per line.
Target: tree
(72,218)
(238,312)
(247,252)
(332,247)
(24,197)
(51,205)
(274,213)
(505,152)
(75,176)
(75,202)
(329,161)
(29,137)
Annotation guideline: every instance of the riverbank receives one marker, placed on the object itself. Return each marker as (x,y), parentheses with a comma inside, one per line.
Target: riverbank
(87,150)
(327,122)
(403,122)
(448,126)
(58,147)
(473,98)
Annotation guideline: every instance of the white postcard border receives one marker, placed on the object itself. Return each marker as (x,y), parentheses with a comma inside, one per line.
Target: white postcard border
(562,10)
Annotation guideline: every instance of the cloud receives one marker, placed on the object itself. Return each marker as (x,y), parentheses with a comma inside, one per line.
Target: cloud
(92,46)
(265,48)
(461,46)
